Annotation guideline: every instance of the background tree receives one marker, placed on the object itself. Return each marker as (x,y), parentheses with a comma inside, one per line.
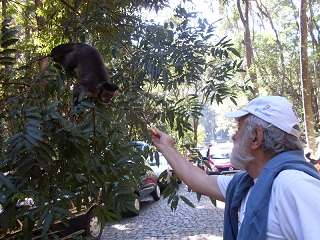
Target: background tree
(305,77)
(275,36)
(244,16)
(314,31)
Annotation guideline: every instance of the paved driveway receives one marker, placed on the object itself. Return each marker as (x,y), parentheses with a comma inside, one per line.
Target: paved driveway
(157,221)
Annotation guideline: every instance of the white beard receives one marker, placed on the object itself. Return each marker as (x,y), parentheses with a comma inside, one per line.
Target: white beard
(240,155)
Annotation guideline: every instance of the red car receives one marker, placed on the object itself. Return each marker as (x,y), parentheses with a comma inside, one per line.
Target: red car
(220,158)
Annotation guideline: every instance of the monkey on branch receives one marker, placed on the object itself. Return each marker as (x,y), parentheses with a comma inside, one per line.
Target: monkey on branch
(91,74)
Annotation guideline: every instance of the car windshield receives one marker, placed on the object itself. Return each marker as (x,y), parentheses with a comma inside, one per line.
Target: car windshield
(221,153)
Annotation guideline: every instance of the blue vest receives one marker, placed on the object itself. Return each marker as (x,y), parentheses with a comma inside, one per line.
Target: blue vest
(254,225)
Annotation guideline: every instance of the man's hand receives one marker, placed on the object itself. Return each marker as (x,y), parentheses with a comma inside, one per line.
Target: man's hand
(160,139)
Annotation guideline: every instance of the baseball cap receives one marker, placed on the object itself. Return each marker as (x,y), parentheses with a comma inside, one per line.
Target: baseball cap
(276,110)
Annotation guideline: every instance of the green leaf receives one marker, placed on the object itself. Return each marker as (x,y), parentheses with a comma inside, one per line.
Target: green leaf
(199,195)
(8,51)
(63,211)
(48,148)
(47,224)
(221,41)
(7,60)
(102,131)
(187,201)
(8,34)
(110,216)
(34,122)
(234,51)
(234,101)
(7,183)
(53,106)
(43,215)
(33,141)
(80,178)
(6,22)
(8,43)
(157,157)
(14,138)
(34,132)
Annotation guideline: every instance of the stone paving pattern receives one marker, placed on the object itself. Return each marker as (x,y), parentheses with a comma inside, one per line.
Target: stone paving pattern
(158,221)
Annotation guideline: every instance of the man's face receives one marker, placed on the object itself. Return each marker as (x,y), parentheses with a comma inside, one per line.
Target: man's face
(240,155)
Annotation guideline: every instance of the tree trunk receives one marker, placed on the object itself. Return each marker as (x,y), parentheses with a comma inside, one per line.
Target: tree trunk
(316,64)
(247,41)
(43,63)
(305,78)
(4,9)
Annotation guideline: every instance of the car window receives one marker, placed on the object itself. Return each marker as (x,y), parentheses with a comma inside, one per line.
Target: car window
(221,153)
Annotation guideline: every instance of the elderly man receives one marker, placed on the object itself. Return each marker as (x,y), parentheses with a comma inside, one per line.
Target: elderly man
(276,196)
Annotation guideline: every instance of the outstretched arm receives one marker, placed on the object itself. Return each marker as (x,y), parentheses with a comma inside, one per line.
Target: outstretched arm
(194,177)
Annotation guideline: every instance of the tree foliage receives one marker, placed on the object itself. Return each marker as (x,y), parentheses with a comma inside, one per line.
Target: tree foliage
(51,148)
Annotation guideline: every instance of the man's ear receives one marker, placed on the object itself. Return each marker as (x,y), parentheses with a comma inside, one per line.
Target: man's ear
(258,138)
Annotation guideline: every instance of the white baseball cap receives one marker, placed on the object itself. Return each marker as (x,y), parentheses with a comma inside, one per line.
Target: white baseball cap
(273,109)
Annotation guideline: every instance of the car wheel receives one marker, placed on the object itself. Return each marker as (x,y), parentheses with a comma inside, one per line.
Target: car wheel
(156,194)
(136,205)
(93,226)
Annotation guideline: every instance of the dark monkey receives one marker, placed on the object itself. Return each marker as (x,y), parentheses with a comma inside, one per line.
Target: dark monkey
(91,73)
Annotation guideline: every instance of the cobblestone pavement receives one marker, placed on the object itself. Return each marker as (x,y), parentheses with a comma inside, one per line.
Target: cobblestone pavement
(157,221)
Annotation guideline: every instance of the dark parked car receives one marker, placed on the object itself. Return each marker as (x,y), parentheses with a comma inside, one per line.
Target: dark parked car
(128,196)
(84,223)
